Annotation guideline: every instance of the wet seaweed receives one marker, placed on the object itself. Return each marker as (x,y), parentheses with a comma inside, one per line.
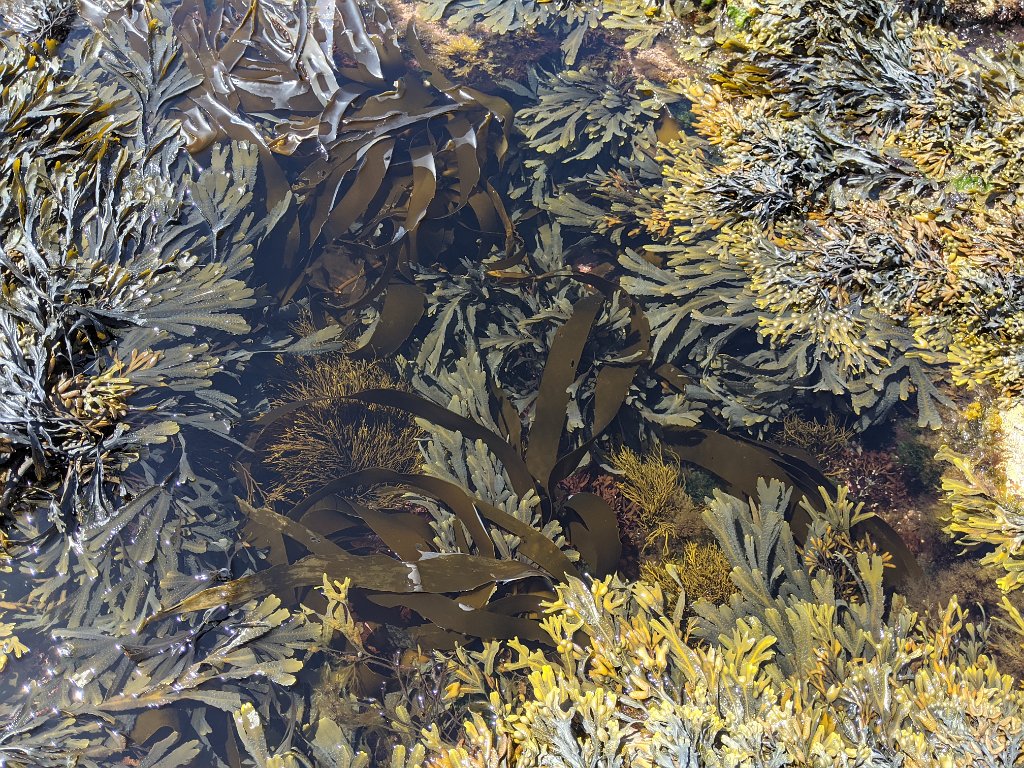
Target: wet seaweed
(383,147)
(693,263)
(811,220)
(106,270)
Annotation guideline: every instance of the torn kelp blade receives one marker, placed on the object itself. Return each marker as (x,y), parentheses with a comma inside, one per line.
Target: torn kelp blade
(433,573)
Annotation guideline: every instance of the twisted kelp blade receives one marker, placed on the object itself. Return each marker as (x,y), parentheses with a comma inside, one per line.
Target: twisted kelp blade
(742,463)
(404,533)
(467,508)
(407,535)
(602,530)
(421,571)
(460,502)
(437,573)
(613,381)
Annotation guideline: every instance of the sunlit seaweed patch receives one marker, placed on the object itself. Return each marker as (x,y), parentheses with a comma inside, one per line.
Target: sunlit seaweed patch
(41,21)
(406,548)
(767,676)
(856,237)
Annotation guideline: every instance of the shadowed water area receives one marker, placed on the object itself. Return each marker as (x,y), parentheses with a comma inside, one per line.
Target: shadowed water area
(485,383)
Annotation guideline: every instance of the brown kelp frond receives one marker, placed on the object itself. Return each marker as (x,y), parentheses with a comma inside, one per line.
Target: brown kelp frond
(387,148)
(607,369)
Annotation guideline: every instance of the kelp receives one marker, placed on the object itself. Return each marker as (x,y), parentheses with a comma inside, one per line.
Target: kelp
(387,149)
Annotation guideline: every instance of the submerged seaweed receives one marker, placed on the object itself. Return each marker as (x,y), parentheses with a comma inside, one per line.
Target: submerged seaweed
(622,275)
(387,150)
(116,248)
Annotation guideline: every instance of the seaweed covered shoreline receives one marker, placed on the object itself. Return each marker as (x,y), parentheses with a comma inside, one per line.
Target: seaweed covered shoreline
(470,383)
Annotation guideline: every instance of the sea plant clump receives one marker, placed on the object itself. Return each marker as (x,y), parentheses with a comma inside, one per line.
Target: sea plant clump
(792,669)
(39,21)
(324,435)
(832,232)
(116,248)
(984,515)
(567,315)
(581,120)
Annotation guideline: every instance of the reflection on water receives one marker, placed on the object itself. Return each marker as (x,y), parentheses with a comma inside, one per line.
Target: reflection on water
(340,339)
